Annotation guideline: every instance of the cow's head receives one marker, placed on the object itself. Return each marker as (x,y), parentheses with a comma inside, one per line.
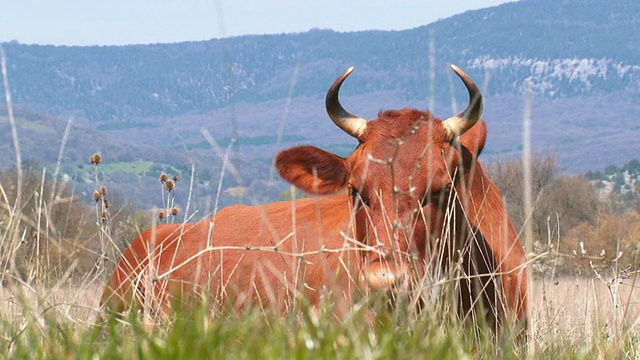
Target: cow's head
(402,174)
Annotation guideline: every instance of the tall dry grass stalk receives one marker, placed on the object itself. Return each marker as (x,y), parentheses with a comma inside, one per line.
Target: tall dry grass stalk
(10,241)
(528,205)
(103,216)
(14,131)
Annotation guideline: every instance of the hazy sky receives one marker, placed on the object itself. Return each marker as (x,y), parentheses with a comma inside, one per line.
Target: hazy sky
(117,22)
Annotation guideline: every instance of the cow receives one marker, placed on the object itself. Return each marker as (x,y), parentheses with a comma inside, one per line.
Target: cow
(412,198)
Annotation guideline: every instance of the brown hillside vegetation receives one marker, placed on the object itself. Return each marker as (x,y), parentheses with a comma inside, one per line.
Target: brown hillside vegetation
(612,241)
(589,230)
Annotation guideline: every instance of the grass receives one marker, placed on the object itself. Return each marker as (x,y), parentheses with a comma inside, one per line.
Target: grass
(573,316)
(199,334)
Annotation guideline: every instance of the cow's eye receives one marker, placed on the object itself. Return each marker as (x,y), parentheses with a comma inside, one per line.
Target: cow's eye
(358,198)
(438,196)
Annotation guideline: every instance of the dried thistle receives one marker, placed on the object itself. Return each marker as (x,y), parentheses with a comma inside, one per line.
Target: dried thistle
(175,211)
(161,215)
(163,177)
(103,191)
(105,215)
(96,196)
(175,178)
(96,158)
(170,185)
(105,202)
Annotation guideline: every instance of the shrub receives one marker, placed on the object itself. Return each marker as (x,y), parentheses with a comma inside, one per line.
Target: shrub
(612,241)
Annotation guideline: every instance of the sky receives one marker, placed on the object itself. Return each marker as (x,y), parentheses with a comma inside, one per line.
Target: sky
(120,22)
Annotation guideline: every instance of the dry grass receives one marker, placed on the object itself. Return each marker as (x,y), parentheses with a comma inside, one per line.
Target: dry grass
(585,312)
(572,302)
(575,311)
(74,303)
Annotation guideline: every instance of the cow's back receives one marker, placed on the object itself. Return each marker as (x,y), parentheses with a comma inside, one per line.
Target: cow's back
(245,254)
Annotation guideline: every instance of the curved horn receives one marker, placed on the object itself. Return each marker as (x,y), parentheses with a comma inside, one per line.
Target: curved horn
(459,124)
(351,124)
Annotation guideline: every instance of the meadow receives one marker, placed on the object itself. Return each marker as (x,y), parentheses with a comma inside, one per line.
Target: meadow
(573,318)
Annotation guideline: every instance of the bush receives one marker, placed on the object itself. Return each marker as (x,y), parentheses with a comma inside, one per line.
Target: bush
(612,241)
(46,234)
(559,200)
(52,232)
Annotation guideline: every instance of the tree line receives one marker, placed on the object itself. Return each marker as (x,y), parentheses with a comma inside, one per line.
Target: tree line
(585,222)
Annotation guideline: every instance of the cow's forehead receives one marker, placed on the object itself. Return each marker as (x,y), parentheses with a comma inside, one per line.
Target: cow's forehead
(392,126)
(402,148)
(401,138)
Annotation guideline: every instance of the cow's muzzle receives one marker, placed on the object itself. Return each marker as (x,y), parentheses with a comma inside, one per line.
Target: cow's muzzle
(384,277)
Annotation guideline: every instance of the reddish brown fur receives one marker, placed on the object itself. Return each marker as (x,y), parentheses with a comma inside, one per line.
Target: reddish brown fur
(190,257)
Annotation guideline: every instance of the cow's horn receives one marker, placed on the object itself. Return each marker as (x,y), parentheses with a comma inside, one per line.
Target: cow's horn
(459,124)
(351,124)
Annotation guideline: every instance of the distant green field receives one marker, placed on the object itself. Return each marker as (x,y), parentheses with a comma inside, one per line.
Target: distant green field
(247,141)
(138,167)
(113,170)
(124,125)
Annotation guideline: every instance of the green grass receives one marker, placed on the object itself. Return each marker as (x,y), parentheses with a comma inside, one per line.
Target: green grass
(255,334)
(572,319)
(61,323)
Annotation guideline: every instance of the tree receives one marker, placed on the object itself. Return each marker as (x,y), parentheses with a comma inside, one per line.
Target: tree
(569,200)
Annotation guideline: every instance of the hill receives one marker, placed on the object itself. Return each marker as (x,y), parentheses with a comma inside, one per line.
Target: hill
(578,58)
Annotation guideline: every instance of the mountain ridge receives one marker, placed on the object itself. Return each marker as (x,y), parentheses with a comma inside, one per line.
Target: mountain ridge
(107,82)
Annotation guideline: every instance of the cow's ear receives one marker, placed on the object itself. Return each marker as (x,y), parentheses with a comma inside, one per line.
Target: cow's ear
(475,138)
(313,170)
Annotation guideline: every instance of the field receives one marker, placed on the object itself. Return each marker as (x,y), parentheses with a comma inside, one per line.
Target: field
(573,318)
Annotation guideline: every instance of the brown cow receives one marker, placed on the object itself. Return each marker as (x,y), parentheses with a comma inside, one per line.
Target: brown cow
(415,191)
(423,189)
